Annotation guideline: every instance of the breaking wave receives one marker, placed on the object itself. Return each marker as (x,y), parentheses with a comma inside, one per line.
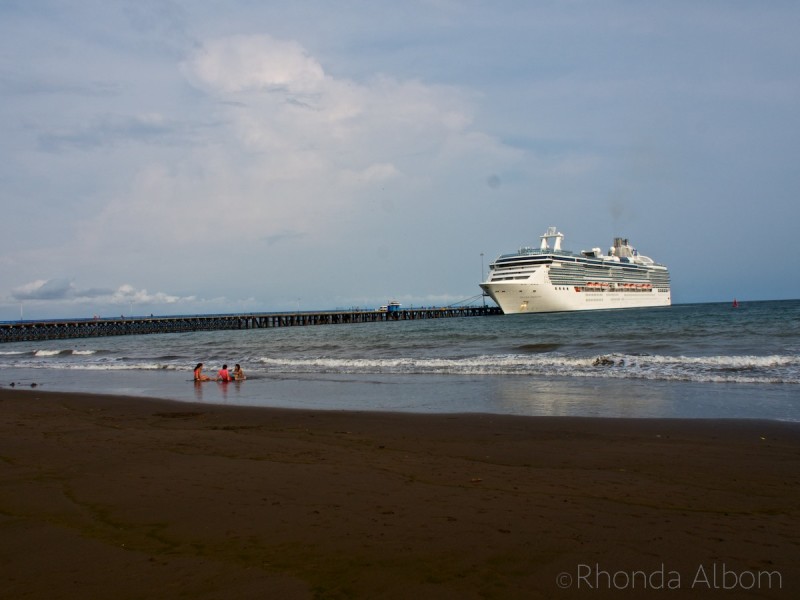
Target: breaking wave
(712,369)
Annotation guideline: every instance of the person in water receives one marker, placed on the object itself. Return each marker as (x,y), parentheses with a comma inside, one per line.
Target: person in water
(223,375)
(238,374)
(198,373)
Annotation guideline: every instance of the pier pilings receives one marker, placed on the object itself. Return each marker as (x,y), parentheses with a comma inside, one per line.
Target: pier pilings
(19,331)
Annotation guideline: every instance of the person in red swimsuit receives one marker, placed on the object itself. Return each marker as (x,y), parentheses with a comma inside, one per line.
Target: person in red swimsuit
(223,374)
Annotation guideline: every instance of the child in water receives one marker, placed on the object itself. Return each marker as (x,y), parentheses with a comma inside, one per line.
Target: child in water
(198,373)
(223,374)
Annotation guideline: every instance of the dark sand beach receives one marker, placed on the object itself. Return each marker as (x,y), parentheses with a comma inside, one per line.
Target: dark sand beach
(114,497)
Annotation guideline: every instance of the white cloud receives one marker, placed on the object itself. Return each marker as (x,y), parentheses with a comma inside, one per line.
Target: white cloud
(296,147)
(57,290)
(127,293)
(247,63)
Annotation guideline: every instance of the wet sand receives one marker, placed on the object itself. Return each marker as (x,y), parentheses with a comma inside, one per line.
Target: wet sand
(114,497)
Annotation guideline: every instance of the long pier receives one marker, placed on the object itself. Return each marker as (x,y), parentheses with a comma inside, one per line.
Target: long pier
(24,331)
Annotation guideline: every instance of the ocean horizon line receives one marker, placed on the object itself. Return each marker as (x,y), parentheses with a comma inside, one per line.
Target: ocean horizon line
(152,315)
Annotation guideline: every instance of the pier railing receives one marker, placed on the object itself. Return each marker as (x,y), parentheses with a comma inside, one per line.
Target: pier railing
(20,331)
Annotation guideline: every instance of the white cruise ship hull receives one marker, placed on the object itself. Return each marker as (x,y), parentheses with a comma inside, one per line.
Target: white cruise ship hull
(545,297)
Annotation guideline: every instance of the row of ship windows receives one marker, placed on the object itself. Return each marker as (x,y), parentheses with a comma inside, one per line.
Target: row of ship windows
(510,278)
(560,285)
(563,277)
(597,272)
(621,278)
(602,272)
(521,263)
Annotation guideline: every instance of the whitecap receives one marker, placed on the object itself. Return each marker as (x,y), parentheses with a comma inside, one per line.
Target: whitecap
(47,352)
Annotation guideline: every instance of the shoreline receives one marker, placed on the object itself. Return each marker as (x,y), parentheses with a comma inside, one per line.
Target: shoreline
(133,496)
(434,394)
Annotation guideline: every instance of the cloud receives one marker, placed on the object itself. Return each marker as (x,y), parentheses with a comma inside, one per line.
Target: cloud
(41,289)
(268,156)
(279,97)
(294,149)
(65,290)
(127,293)
(246,63)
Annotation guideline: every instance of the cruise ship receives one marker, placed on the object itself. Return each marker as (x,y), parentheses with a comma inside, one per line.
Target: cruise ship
(549,279)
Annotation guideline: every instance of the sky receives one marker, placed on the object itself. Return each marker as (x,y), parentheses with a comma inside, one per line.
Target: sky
(197,156)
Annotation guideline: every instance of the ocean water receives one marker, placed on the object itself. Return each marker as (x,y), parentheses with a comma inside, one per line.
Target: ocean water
(692,360)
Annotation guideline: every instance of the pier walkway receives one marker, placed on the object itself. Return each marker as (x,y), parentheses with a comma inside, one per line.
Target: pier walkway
(20,331)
